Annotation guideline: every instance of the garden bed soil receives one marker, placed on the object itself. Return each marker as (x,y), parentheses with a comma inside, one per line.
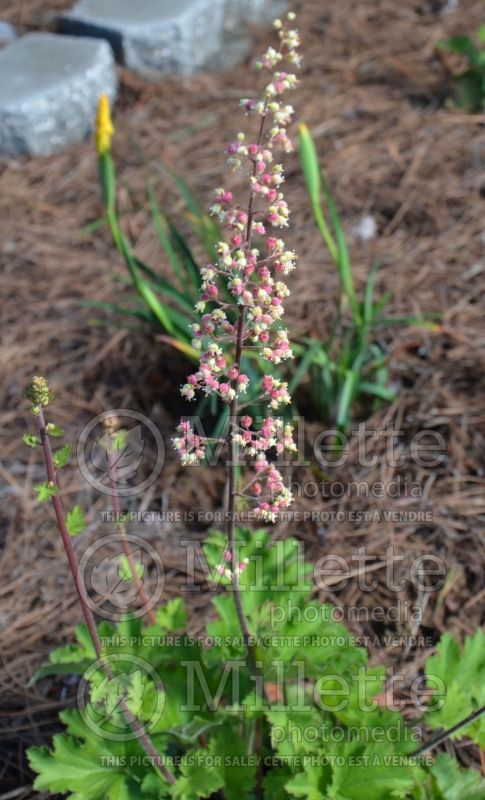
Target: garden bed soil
(372,91)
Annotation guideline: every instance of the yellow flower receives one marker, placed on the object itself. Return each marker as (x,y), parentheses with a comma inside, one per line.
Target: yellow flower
(104,126)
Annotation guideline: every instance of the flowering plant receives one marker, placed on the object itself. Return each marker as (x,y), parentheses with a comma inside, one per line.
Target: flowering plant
(166,302)
(252,265)
(231,716)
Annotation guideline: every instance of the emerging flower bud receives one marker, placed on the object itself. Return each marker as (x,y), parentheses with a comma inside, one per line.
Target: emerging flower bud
(104,126)
(39,394)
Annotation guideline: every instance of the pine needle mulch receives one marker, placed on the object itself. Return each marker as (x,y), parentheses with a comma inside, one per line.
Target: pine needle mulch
(373,92)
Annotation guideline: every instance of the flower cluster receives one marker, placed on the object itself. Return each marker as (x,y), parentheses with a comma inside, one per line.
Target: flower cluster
(38,393)
(226,571)
(243,290)
(189,445)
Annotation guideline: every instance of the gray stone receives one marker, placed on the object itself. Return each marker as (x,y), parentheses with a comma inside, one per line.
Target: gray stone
(238,12)
(49,91)
(250,12)
(7,33)
(153,36)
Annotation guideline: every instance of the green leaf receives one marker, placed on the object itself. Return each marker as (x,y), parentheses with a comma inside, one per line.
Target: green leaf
(462,45)
(119,441)
(79,652)
(369,293)
(75,521)
(185,253)
(455,783)
(155,786)
(310,784)
(376,390)
(135,688)
(346,399)
(190,732)
(54,430)
(238,772)
(143,288)
(30,440)
(462,673)
(93,226)
(274,783)
(62,456)
(113,308)
(343,260)
(188,196)
(287,727)
(64,668)
(124,569)
(374,769)
(173,616)
(161,311)
(190,352)
(199,777)
(470,90)
(311,173)
(73,768)
(185,300)
(309,356)
(45,491)
(162,228)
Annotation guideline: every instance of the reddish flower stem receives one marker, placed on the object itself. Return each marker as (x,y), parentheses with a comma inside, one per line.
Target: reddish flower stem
(115,499)
(66,539)
(136,726)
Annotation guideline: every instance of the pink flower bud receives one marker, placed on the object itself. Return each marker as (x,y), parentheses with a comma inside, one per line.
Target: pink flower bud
(212,291)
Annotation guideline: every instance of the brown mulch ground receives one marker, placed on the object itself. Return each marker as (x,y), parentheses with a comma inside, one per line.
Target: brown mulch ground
(372,90)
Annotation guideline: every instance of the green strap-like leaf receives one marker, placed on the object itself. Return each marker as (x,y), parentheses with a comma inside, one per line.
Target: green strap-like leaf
(311,173)
(162,228)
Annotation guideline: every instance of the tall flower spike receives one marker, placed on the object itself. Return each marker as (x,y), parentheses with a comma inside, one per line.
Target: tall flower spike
(251,264)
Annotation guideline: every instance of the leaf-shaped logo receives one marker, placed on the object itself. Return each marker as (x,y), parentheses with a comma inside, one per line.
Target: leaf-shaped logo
(110,693)
(126,458)
(107,582)
(133,687)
